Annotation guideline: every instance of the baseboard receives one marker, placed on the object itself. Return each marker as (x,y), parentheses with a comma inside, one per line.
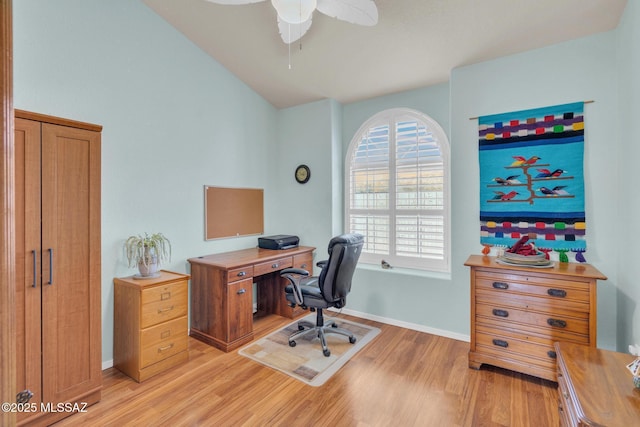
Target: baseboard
(106,364)
(406,325)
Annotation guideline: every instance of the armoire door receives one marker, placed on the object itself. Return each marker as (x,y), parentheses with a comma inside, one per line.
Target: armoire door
(28,261)
(71,310)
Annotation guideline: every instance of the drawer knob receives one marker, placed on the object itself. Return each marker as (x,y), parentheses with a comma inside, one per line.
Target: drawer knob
(241,291)
(500,285)
(242,273)
(304,266)
(500,313)
(164,310)
(557,293)
(551,354)
(557,323)
(501,343)
(274,265)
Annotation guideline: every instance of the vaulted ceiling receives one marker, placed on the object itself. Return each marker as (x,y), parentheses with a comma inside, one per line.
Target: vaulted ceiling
(416,43)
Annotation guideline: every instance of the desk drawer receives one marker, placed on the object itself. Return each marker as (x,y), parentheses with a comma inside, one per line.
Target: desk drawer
(270,266)
(239,273)
(304,261)
(162,303)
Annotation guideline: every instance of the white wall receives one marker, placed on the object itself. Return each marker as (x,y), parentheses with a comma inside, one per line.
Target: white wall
(174,120)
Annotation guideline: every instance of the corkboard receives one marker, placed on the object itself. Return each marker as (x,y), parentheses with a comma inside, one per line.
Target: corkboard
(233,212)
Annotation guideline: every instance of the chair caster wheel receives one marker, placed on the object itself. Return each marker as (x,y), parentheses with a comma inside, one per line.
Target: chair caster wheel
(327,353)
(334,325)
(352,340)
(300,328)
(292,343)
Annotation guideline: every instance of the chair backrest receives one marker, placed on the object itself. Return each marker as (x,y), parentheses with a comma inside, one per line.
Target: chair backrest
(335,277)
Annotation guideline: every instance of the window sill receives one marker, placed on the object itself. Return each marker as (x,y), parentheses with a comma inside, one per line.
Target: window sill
(405,271)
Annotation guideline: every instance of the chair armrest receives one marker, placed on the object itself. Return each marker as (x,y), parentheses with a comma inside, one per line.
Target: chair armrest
(294,271)
(293,275)
(322,263)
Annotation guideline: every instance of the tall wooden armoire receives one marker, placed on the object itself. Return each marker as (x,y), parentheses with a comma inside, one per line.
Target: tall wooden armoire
(58,309)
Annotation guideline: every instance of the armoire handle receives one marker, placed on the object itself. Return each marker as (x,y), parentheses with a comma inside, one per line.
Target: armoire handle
(51,266)
(35,268)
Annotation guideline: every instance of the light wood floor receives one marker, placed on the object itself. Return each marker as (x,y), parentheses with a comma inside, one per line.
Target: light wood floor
(402,378)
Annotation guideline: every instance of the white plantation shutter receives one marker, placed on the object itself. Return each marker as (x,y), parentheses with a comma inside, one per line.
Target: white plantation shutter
(396,186)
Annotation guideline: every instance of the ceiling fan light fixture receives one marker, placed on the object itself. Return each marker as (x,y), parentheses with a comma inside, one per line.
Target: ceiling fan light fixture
(294,11)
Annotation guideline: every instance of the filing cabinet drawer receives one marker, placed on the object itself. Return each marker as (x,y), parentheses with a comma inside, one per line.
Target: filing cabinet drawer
(162,303)
(162,350)
(165,331)
(239,273)
(275,265)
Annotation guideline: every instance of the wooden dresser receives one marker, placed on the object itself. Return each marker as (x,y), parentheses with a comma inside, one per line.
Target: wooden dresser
(517,313)
(150,324)
(595,388)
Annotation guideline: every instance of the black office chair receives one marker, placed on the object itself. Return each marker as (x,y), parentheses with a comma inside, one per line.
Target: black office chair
(329,289)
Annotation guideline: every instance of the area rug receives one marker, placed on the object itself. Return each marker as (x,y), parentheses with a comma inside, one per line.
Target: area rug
(305,361)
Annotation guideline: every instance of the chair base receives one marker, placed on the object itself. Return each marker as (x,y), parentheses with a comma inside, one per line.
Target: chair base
(320,329)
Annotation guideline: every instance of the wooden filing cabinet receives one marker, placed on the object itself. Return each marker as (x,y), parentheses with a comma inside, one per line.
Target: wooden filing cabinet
(150,324)
(517,313)
(595,388)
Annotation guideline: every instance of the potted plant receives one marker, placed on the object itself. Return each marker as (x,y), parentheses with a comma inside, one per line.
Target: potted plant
(147,252)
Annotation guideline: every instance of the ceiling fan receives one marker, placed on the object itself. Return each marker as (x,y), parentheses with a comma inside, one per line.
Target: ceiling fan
(294,16)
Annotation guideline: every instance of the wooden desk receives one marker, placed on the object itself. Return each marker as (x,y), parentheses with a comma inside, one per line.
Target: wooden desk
(222,292)
(595,387)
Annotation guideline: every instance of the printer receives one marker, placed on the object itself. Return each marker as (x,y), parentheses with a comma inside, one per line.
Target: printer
(279,241)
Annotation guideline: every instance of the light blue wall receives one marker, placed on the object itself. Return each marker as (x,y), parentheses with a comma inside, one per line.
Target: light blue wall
(628,35)
(579,70)
(174,120)
(164,103)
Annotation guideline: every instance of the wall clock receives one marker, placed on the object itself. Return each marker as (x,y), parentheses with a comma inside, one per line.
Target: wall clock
(303,173)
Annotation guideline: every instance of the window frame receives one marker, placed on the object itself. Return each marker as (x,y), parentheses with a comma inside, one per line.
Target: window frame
(391,117)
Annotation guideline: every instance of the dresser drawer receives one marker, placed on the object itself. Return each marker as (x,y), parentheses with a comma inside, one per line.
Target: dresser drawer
(275,265)
(239,273)
(497,314)
(162,303)
(530,302)
(560,290)
(525,352)
(162,350)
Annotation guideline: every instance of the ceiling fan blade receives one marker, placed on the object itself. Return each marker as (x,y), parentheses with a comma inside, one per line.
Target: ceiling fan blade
(235,2)
(292,32)
(361,12)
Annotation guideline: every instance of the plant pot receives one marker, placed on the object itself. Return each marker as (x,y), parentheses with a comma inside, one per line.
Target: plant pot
(150,269)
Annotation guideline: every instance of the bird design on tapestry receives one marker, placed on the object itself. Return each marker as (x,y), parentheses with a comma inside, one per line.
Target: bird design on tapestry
(510,195)
(555,191)
(532,160)
(510,180)
(519,161)
(556,173)
(543,173)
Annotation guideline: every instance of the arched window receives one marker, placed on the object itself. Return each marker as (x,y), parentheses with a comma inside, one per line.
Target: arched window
(397,190)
